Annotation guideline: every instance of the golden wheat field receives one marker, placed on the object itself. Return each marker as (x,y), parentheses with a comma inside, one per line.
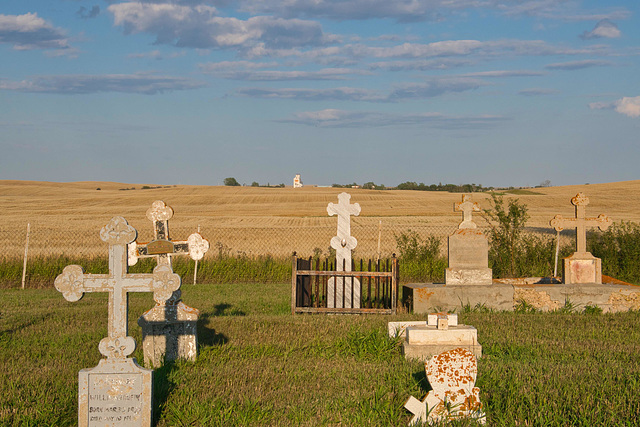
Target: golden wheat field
(66,217)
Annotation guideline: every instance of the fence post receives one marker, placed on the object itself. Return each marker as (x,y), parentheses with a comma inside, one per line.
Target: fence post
(394,284)
(26,252)
(294,276)
(195,270)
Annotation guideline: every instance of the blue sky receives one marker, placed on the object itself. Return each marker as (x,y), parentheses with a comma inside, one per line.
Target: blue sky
(492,92)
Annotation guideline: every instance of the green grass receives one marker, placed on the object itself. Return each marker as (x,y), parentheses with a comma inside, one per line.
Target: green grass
(259,365)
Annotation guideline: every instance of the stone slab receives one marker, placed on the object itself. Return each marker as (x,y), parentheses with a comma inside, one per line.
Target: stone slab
(426,352)
(468,248)
(430,297)
(468,276)
(455,335)
(582,268)
(117,392)
(397,329)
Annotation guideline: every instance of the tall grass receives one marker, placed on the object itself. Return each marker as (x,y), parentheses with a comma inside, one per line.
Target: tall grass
(259,365)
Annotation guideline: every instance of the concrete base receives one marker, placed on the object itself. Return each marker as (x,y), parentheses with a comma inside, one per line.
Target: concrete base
(424,342)
(610,297)
(468,276)
(582,268)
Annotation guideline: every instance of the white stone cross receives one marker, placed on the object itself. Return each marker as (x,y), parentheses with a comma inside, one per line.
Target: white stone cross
(343,243)
(162,247)
(580,222)
(467,207)
(73,283)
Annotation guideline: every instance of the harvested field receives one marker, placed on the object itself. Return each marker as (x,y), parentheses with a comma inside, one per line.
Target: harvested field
(66,217)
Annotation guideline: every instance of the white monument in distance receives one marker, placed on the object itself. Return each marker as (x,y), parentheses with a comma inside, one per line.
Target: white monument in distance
(297,182)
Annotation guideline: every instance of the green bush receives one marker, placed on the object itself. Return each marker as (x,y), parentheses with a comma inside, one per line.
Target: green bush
(619,249)
(420,260)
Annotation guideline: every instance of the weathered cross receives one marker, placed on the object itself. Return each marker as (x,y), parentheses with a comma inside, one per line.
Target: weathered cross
(73,283)
(467,207)
(162,247)
(343,242)
(580,223)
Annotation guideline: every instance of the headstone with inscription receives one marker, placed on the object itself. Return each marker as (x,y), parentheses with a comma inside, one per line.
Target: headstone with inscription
(343,292)
(117,392)
(468,250)
(169,330)
(452,376)
(582,266)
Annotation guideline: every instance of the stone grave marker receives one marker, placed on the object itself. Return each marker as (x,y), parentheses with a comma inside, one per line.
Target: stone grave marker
(169,330)
(468,250)
(452,376)
(440,333)
(340,287)
(581,267)
(117,392)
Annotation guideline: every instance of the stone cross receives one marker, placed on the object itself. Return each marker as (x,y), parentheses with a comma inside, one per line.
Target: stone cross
(117,391)
(341,288)
(162,247)
(343,242)
(580,222)
(467,207)
(73,283)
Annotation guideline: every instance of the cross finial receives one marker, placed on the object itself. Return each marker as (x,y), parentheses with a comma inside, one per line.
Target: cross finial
(467,207)
(580,222)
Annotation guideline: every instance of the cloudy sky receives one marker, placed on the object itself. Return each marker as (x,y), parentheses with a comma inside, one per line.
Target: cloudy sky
(492,92)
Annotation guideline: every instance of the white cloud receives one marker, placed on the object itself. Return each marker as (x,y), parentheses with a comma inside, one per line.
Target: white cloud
(28,32)
(629,106)
(272,75)
(200,27)
(333,118)
(605,28)
(538,92)
(140,83)
(578,65)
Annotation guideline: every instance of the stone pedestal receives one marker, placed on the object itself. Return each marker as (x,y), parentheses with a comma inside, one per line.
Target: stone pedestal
(429,297)
(169,332)
(582,268)
(117,392)
(423,342)
(468,258)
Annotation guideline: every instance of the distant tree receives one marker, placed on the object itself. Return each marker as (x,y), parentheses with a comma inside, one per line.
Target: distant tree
(255,184)
(231,182)
(369,185)
(545,183)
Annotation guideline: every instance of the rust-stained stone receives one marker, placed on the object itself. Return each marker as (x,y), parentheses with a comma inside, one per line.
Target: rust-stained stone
(452,376)
(117,392)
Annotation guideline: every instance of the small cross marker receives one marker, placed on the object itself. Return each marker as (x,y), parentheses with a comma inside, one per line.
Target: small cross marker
(467,207)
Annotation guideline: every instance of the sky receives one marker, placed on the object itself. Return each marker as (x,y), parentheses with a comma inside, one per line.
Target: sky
(491,92)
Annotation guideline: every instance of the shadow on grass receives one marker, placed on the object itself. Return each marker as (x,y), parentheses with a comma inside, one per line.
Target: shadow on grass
(162,388)
(420,377)
(208,336)
(226,310)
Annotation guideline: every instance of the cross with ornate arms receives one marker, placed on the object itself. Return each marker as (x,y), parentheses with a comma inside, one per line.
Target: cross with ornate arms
(467,207)
(343,242)
(73,283)
(580,223)
(162,247)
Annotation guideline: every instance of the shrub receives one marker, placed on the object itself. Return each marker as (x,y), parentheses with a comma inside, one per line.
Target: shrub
(421,260)
(619,249)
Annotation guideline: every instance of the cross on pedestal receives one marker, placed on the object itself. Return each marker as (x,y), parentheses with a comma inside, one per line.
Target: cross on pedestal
(467,207)
(73,283)
(340,292)
(117,391)
(580,222)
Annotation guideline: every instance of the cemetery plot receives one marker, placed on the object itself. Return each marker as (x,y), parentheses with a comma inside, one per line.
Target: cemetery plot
(312,280)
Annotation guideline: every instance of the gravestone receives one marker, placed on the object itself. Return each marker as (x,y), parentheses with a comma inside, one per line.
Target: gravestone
(339,289)
(452,376)
(117,392)
(468,250)
(581,267)
(440,333)
(169,330)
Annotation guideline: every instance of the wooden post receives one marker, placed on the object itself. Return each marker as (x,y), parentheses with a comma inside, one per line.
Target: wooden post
(195,270)
(294,276)
(555,267)
(379,237)
(26,252)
